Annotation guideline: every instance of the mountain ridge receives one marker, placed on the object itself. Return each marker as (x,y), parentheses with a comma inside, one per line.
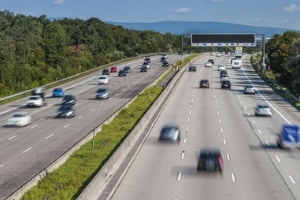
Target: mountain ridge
(188,27)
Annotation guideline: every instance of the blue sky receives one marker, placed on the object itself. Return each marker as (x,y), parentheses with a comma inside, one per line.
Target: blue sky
(273,13)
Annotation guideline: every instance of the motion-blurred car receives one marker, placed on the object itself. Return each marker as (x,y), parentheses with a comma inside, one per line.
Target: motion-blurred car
(169,133)
(19,119)
(263,110)
(122,73)
(165,63)
(68,99)
(103,80)
(192,68)
(163,58)
(210,159)
(145,64)
(219,55)
(204,83)
(127,69)
(147,60)
(211,61)
(144,69)
(105,71)
(66,111)
(102,93)
(113,69)
(249,89)
(57,92)
(34,101)
(221,67)
(208,64)
(226,84)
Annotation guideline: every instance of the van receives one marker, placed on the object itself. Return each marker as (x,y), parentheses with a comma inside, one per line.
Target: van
(236,64)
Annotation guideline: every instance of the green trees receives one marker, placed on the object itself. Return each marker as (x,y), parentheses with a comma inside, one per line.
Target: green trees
(283,58)
(35,51)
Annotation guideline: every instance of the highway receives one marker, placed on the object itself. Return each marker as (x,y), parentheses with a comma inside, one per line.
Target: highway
(26,151)
(254,168)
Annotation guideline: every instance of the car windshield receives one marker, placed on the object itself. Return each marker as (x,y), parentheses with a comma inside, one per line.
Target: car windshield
(101,90)
(19,115)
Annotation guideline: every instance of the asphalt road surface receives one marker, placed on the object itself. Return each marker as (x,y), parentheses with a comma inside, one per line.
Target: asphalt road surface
(26,151)
(254,168)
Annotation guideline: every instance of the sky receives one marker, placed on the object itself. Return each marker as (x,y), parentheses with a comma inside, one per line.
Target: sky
(270,13)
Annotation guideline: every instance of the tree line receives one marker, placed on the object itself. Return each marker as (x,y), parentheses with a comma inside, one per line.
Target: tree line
(283,60)
(35,50)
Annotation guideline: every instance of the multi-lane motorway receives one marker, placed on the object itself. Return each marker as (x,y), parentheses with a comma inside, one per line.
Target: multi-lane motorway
(26,151)
(254,168)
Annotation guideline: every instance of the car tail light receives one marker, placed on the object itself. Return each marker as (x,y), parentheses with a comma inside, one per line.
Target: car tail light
(220,161)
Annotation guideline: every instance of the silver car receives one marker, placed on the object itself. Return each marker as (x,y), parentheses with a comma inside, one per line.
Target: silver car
(102,93)
(249,89)
(263,110)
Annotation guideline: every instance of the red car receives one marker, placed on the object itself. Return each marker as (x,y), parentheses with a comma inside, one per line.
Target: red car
(113,69)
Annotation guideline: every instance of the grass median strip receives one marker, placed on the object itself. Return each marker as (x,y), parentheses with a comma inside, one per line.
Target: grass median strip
(70,179)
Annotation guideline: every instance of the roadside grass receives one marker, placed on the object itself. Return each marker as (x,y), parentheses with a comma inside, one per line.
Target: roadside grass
(70,179)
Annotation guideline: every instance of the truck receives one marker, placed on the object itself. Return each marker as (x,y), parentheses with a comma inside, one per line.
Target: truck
(289,136)
(37,98)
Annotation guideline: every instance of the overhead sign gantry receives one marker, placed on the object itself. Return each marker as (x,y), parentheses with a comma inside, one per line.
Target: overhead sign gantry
(223,39)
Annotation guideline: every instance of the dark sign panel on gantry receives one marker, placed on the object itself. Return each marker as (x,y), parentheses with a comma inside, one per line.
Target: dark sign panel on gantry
(223,39)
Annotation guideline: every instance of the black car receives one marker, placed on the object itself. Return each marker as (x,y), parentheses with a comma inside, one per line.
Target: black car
(169,133)
(192,68)
(127,69)
(211,61)
(165,63)
(105,71)
(144,69)
(68,99)
(163,58)
(210,159)
(122,72)
(226,84)
(66,111)
(222,72)
(204,83)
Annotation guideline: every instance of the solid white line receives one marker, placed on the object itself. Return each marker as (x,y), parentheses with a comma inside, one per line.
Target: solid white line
(49,136)
(27,149)
(12,137)
(178,176)
(232,177)
(291,178)
(277,158)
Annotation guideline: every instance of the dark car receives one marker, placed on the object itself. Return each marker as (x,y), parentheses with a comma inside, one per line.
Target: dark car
(68,99)
(210,159)
(169,133)
(226,84)
(222,72)
(66,110)
(211,61)
(122,72)
(180,53)
(102,93)
(192,68)
(204,83)
(127,69)
(144,69)
(147,60)
(105,72)
(165,63)
(163,58)
(57,92)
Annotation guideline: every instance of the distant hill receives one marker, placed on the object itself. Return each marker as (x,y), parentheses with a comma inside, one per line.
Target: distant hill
(188,27)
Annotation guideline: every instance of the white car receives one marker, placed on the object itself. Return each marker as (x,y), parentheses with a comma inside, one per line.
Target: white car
(263,110)
(34,101)
(103,80)
(19,119)
(219,55)
(221,67)
(249,89)
(208,64)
